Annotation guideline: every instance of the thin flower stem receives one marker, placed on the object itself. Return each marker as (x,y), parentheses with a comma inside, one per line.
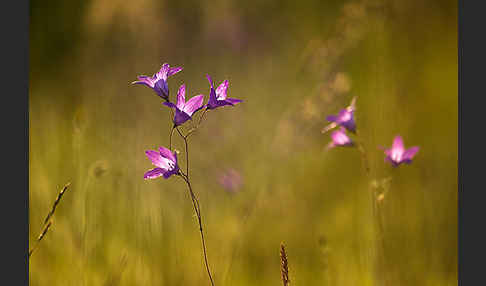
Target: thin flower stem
(197,210)
(364,156)
(195,202)
(170,138)
(187,151)
(376,211)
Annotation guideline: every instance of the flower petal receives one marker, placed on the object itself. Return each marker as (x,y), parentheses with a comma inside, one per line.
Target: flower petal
(398,143)
(210,80)
(180,117)
(146,80)
(410,153)
(170,173)
(181,97)
(157,159)
(162,88)
(339,138)
(350,125)
(166,153)
(173,71)
(221,103)
(221,90)
(233,101)
(169,104)
(332,118)
(193,104)
(345,115)
(154,173)
(164,70)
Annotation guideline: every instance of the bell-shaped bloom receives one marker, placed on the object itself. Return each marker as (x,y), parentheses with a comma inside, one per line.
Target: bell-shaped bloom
(345,118)
(340,138)
(219,97)
(158,82)
(231,180)
(165,162)
(397,154)
(184,110)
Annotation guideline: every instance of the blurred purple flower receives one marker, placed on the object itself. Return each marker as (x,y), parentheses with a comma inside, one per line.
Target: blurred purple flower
(345,118)
(183,109)
(340,138)
(165,161)
(158,82)
(231,180)
(397,154)
(218,97)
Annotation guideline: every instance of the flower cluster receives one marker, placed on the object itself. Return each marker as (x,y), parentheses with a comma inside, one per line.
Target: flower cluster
(164,159)
(396,155)
(345,120)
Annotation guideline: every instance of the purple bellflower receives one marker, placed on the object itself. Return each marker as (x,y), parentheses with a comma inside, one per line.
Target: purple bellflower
(218,97)
(340,138)
(158,82)
(231,180)
(345,118)
(184,110)
(165,162)
(397,154)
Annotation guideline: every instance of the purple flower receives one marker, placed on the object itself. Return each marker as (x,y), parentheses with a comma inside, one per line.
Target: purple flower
(231,180)
(158,82)
(345,118)
(397,154)
(340,138)
(219,97)
(183,109)
(165,161)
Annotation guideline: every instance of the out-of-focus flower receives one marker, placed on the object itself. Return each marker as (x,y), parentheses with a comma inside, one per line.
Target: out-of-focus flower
(397,154)
(218,97)
(165,162)
(340,138)
(345,118)
(183,109)
(158,82)
(231,180)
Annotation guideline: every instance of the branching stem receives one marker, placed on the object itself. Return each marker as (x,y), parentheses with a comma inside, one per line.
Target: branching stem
(195,201)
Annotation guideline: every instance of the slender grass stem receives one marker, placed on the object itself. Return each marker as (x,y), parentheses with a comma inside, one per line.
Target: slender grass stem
(41,236)
(47,220)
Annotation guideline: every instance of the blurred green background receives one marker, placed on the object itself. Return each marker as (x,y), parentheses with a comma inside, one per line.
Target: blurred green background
(293,63)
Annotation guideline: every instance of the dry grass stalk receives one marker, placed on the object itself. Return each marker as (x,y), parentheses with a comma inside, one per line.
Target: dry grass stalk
(41,236)
(48,221)
(58,199)
(284,267)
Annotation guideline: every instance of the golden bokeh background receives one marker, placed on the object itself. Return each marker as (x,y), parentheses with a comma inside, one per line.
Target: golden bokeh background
(293,63)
